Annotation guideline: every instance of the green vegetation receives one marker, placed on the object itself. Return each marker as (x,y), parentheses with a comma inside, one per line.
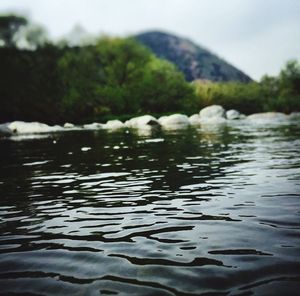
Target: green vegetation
(280,93)
(110,78)
(115,78)
(119,76)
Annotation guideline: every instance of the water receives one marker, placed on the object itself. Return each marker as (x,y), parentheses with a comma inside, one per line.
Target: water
(207,211)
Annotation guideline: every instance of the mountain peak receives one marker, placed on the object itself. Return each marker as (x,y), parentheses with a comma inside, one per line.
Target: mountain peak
(196,62)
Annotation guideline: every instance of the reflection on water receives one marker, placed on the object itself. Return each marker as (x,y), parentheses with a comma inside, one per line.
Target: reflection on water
(212,211)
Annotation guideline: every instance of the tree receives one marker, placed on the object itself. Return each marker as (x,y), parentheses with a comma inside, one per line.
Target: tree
(164,89)
(289,87)
(289,78)
(79,75)
(120,76)
(9,26)
(31,37)
(101,79)
(123,63)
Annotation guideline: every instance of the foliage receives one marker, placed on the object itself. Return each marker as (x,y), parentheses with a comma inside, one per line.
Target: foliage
(16,31)
(116,78)
(119,76)
(9,26)
(289,87)
(163,88)
(280,93)
(232,95)
(29,85)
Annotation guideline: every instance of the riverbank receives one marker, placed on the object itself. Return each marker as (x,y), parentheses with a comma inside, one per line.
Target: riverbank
(118,77)
(214,114)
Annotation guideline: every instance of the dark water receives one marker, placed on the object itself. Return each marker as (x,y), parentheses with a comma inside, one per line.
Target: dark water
(208,211)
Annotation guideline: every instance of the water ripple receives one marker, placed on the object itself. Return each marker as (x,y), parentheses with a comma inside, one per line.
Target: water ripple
(205,211)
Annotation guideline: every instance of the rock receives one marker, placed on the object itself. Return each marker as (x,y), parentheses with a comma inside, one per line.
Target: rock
(114,124)
(21,127)
(267,116)
(93,126)
(142,121)
(174,121)
(213,111)
(69,125)
(4,129)
(234,114)
(161,119)
(194,119)
(294,115)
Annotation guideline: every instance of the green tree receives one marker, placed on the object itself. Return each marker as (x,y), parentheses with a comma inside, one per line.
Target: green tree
(289,78)
(102,79)
(289,87)
(30,89)
(245,97)
(78,74)
(164,89)
(123,63)
(120,76)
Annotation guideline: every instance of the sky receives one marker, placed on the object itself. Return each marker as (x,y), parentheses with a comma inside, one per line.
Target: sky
(256,36)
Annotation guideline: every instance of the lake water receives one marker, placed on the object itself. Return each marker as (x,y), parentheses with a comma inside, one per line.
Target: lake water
(213,210)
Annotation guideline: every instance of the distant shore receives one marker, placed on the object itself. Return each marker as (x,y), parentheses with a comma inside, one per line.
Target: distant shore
(211,115)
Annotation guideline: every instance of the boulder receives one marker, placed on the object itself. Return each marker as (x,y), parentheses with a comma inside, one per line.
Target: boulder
(174,121)
(114,124)
(69,125)
(93,126)
(21,127)
(142,121)
(234,114)
(161,119)
(4,129)
(194,119)
(294,115)
(213,111)
(267,116)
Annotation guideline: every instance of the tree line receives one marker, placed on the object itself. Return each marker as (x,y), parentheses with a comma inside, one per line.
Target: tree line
(280,93)
(115,78)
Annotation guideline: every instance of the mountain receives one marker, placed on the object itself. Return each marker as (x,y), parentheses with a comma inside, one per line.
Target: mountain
(193,60)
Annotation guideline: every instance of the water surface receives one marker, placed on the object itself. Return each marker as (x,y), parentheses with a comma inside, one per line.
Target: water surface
(212,210)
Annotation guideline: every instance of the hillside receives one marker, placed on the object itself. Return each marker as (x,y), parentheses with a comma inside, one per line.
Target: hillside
(194,61)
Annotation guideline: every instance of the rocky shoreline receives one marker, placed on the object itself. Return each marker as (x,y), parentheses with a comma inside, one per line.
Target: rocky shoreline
(213,114)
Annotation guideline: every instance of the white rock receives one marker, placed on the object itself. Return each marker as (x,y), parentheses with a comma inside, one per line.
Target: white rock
(21,127)
(144,131)
(69,125)
(93,126)
(114,124)
(294,115)
(234,114)
(174,121)
(4,129)
(213,120)
(142,121)
(194,119)
(213,111)
(267,116)
(161,119)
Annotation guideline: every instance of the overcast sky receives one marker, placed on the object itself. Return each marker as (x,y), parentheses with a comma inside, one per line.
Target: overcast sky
(257,36)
